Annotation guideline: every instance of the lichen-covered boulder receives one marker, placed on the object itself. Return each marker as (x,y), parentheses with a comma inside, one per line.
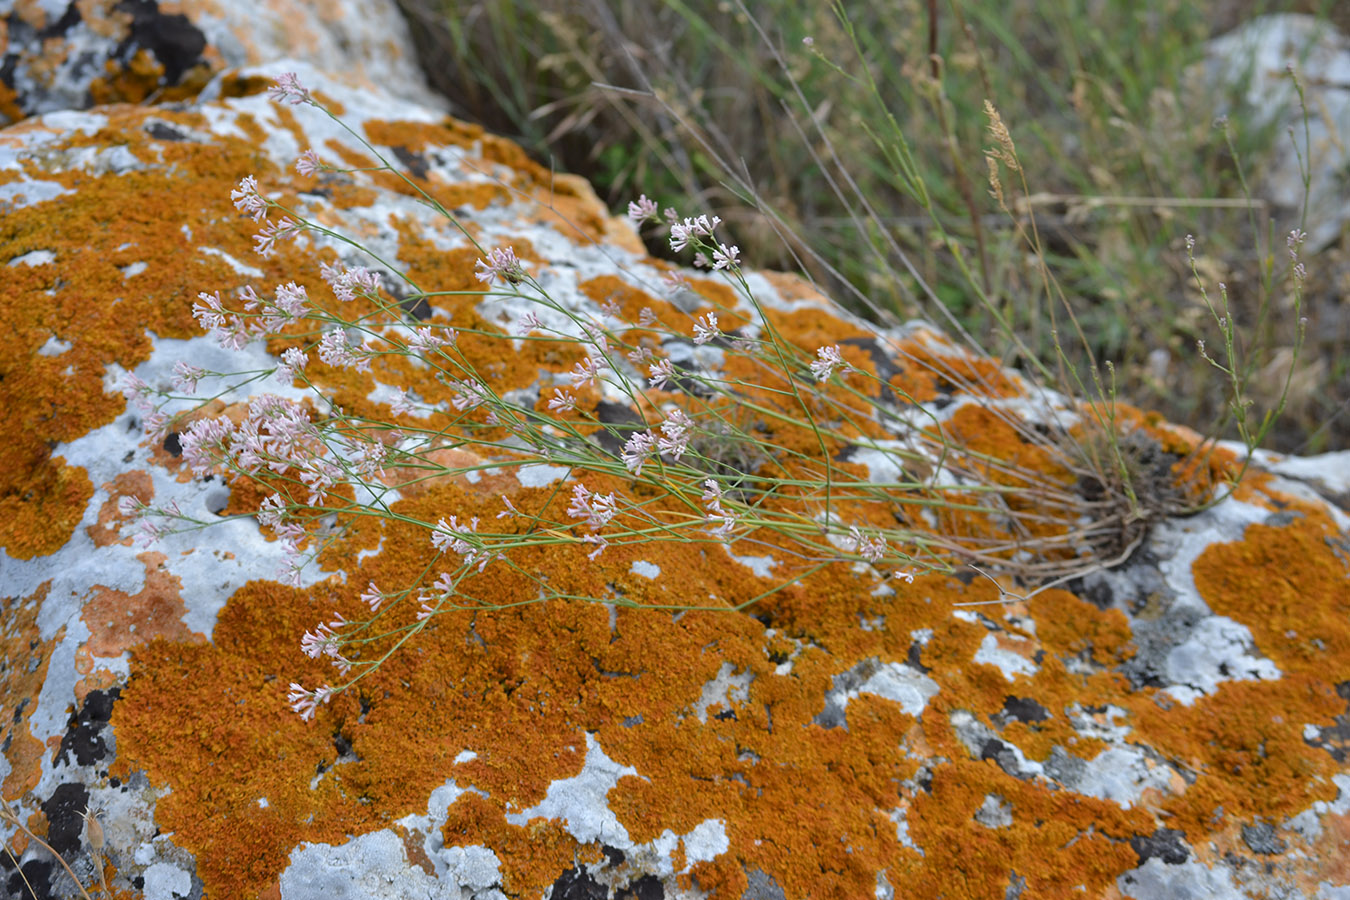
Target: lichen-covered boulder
(72,54)
(1171,725)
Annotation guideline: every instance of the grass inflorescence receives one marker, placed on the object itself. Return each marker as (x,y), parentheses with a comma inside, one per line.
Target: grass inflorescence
(834,138)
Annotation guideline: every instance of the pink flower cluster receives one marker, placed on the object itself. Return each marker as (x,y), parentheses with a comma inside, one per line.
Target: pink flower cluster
(455,538)
(501,264)
(596,509)
(827,360)
(722,519)
(349,281)
(871,548)
(676,431)
(232,331)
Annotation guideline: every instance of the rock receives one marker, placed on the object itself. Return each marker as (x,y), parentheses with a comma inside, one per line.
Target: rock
(1254,60)
(1166,726)
(72,54)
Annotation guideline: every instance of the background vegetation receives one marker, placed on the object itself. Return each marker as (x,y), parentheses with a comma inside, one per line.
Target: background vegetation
(721,107)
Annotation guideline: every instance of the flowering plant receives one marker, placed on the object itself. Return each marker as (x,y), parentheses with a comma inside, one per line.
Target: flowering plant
(731,436)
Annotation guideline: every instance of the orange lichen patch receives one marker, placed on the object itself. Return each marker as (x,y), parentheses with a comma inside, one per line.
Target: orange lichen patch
(722,296)
(24,657)
(1062,843)
(452,466)
(102,21)
(98,680)
(1068,626)
(86,299)
(813,328)
(130,84)
(1288,585)
(118,621)
(105,532)
(631,301)
(532,855)
(1331,853)
(792,287)
(418,135)
(957,370)
(1245,744)
(9,103)
(41,508)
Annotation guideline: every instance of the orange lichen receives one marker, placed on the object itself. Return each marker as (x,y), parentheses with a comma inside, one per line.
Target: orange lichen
(118,621)
(42,507)
(24,658)
(107,530)
(84,298)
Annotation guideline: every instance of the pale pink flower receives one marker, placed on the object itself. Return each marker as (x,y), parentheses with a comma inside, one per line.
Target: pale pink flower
(705,329)
(562,401)
(527,323)
(725,257)
(402,404)
(646,318)
(288,572)
(306,702)
(587,371)
(682,233)
(723,520)
(370,459)
(186,376)
(600,544)
(373,597)
(661,373)
(828,359)
(335,351)
(293,359)
(291,299)
(308,163)
(156,425)
(470,395)
(205,443)
(247,199)
(871,548)
(452,536)
(272,511)
(675,282)
(596,509)
(643,210)
(148,532)
(676,431)
(500,263)
(288,89)
(320,642)
(137,393)
(265,240)
(130,505)
(640,446)
(425,340)
(640,356)
(320,476)
(348,281)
